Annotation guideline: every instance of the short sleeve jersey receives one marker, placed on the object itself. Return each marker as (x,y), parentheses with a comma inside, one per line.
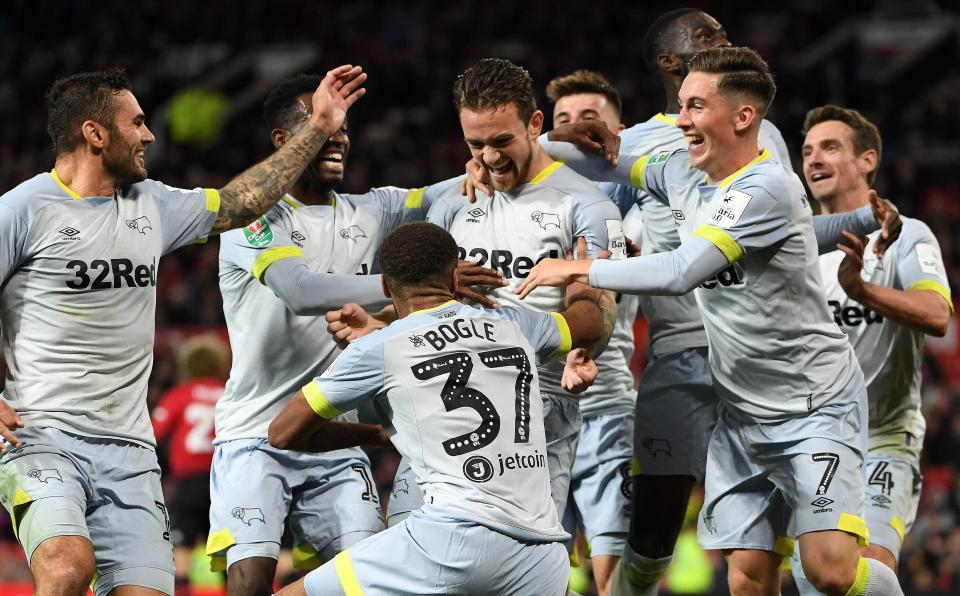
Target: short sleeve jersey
(275,352)
(890,354)
(674,321)
(459,385)
(78,299)
(512,231)
(185,416)
(775,351)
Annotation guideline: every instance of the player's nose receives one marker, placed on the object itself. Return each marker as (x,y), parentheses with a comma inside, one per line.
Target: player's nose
(147,136)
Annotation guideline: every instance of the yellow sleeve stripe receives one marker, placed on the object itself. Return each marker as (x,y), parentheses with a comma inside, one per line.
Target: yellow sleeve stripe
(932,286)
(345,573)
(566,340)
(854,524)
(784,546)
(415,198)
(637,170)
(722,240)
(318,401)
(213,199)
(271,256)
(896,522)
(664,118)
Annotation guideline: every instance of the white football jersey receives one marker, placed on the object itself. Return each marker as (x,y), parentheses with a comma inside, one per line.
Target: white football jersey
(541,219)
(459,386)
(890,354)
(78,299)
(275,352)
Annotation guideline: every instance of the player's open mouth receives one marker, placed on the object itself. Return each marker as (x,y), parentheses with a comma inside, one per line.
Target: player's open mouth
(819,176)
(332,157)
(694,140)
(502,171)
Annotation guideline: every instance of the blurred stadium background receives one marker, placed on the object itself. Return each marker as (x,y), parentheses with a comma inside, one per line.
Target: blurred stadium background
(201,70)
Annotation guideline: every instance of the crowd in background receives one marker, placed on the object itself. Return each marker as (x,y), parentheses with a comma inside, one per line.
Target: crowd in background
(405,131)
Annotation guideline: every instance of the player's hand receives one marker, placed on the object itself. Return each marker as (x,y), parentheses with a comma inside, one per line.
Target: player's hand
(473,282)
(633,249)
(888,216)
(349,323)
(848,275)
(581,290)
(477,178)
(9,421)
(558,272)
(579,372)
(589,135)
(339,89)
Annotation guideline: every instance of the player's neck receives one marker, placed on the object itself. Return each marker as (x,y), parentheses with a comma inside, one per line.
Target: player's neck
(734,158)
(424,299)
(539,160)
(844,202)
(671,87)
(84,175)
(310,193)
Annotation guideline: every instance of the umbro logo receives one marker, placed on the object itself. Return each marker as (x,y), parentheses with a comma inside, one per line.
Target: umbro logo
(69,233)
(474,214)
(822,504)
(298,238)
(880,500)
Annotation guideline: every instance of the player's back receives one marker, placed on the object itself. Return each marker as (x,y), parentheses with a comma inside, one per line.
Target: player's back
(463,395)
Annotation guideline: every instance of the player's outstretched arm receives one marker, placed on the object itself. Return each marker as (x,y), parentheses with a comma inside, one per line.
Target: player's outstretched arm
(926,307)
(254,192)
(298,428)
(879,214)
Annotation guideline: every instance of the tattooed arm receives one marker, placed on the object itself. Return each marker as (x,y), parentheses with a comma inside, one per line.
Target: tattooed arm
(254,192)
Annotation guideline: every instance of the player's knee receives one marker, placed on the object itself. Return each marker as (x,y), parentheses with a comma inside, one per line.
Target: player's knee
(879,553)
(64,566)
(743,583)
(830,575)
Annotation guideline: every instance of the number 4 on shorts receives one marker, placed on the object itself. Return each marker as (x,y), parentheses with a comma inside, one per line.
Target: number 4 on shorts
(882,477)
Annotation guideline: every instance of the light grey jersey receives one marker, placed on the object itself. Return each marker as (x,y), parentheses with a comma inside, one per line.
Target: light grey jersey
(513,231)
(459,386)
(276,352)
(775,351)
(890,354)
(78,299)
(674,321)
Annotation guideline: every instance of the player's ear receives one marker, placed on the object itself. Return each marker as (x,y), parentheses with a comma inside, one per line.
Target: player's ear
(670,63)
(868,162)
(744,117)
(279,137)
(386,288)
(93,133)
(536,123)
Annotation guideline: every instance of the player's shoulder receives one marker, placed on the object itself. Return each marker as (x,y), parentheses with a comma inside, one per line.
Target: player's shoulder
(31,195)
(914,231)
(764,173)
(567,182)
(659,133)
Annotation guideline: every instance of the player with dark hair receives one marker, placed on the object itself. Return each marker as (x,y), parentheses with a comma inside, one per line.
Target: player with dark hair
(886,307)
(788,441)
(79,250)
(184,417)
(584,95)
(460,389)
(312,252)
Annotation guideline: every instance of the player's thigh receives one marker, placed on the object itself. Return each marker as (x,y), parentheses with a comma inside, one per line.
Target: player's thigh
(892,498)
(130,525)
(601,481)
(742,509)
(676,411)
(406,496)
(335,508)
(815,462)
(45,490)
(561,421)
(250,495)
(425,554)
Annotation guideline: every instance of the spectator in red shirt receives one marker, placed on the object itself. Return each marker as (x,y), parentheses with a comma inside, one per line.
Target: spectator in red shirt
(184,416)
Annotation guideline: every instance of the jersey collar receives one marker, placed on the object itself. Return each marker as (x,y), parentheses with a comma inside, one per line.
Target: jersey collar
(764,155)
(433,308)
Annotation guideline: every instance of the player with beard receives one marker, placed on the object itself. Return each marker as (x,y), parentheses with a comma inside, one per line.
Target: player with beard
(790,438)
(79,250)
(313,252)
(886,307)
